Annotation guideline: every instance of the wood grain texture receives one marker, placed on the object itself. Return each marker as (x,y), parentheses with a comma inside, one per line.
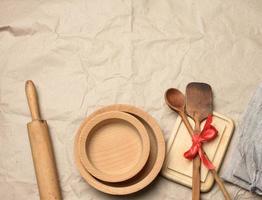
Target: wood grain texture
(179,169)
(154,162)
(42,150)
(199,101)
(221,184)
(199,104)
(175,99)
(44,161)
(32,100)
(196,169)
(219,181)
(114,146)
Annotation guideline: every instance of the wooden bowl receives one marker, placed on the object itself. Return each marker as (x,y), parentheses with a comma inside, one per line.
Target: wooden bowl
(114,146)
(151,168)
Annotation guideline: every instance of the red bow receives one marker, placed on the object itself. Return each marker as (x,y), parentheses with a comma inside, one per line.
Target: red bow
(208,133)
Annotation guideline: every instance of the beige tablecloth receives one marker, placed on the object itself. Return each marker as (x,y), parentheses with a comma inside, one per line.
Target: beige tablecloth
(85,54)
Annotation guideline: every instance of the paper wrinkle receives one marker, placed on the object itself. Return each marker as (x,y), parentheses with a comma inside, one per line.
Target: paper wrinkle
(83,55)
(24,31)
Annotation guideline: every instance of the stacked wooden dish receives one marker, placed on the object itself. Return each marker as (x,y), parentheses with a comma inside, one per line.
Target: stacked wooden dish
(119,149)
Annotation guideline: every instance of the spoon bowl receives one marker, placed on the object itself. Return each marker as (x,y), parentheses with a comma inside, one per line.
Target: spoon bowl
(175,99)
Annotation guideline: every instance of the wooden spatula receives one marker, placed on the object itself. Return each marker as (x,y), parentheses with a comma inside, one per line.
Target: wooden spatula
(198,107)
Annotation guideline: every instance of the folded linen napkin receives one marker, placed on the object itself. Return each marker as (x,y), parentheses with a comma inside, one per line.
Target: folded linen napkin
(245,168)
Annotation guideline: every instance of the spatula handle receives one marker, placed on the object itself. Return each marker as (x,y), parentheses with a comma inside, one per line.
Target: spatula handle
(32,99)
(219,181)
(196,170)
(196,179)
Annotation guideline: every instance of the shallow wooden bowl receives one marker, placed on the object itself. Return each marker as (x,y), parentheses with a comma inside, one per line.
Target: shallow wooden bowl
(114,146)
(151,168)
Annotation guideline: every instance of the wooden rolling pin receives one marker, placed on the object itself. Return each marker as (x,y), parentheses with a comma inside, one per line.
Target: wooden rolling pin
(42,151)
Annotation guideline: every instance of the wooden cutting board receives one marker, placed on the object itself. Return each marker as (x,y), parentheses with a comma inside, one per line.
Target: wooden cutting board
(179,169)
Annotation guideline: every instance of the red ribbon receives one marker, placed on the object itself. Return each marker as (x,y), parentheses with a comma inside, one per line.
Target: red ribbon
(208,133)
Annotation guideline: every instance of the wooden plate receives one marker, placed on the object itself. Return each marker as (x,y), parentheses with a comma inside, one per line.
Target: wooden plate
(114,146)
(154,162)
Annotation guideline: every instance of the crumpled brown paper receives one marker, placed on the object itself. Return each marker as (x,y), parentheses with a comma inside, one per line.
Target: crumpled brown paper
(85,54)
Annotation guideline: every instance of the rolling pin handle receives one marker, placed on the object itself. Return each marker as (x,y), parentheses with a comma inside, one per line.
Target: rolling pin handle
(32,100)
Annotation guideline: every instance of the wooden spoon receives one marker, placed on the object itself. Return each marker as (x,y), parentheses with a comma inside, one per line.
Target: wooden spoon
(176,101)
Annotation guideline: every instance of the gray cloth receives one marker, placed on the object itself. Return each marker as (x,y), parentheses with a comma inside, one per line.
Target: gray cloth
(245,167)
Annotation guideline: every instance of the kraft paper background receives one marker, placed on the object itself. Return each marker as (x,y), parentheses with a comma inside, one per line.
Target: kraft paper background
(85,54)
